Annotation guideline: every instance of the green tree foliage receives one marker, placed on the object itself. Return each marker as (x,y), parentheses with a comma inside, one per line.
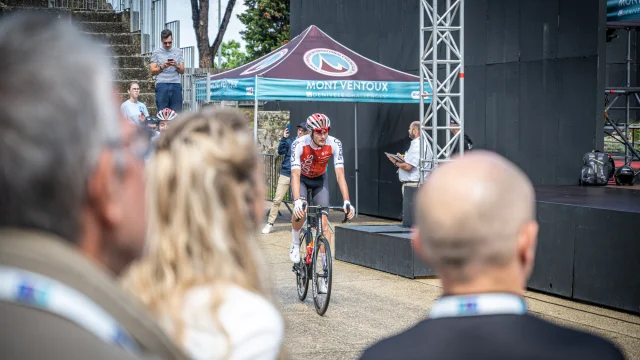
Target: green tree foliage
(232,55)
(267,26)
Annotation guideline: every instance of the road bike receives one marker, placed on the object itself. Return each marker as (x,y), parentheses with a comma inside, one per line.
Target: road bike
(311,265)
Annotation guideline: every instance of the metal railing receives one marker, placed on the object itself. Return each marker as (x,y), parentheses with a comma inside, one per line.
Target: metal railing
(135,9)
(614,145)
(201,90)
(188,100)
(194,90)
(149,18)
(188,53)
(158,22)
(189,80)
(272,165)
(174,26)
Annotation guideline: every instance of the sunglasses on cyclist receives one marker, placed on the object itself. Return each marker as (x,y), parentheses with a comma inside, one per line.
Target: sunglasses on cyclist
(321,130)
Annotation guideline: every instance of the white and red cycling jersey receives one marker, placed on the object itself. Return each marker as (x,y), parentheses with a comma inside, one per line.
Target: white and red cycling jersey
(312,160)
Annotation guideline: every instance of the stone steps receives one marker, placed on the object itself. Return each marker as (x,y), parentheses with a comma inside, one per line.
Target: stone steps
(114,39)
(62,14)
(104,27)
(91,5)
(124,50)
(146,85)
(148,99)
(96,16)
(131,73)
(130,61)
(26,3)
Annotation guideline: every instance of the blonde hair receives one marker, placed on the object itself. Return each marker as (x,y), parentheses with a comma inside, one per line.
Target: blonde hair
(203,185)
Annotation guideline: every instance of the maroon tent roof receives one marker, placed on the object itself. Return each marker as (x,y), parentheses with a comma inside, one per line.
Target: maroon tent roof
(313,55)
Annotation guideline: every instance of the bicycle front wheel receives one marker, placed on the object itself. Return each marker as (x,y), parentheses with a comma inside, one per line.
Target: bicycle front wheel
(322,275)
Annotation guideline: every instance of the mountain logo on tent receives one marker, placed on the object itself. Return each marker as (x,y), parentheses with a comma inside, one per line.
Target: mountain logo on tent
(330,62)
(266,62)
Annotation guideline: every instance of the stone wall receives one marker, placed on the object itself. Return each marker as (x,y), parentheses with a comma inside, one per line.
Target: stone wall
(271,125)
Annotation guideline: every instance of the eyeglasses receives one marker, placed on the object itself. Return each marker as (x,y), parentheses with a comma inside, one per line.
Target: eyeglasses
(167,42)
(319,131)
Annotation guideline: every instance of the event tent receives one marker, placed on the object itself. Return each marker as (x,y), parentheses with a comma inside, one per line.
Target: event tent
(315,67)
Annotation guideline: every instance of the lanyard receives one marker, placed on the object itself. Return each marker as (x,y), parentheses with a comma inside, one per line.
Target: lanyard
(35,290)
(481,304)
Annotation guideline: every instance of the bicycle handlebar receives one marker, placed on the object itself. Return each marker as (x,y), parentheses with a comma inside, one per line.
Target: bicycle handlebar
(336,208)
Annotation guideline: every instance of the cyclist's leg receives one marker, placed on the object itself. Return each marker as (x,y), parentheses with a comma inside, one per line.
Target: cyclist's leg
(321,197)
(296,225)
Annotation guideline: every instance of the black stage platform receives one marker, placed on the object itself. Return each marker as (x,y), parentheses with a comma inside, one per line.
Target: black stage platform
(381,247)
(588,246)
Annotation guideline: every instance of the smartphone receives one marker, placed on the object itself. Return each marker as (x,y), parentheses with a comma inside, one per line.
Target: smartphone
(169,59)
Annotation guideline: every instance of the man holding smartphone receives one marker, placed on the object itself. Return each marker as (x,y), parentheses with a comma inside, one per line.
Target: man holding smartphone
(167,64)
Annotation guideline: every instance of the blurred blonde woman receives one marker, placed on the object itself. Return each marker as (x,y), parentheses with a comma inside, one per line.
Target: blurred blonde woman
(201,275)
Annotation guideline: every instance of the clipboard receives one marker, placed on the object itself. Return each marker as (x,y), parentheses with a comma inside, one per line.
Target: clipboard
(395,157)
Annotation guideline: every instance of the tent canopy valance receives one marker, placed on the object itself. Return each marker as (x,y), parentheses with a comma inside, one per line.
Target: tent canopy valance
(315,67)
(623,13)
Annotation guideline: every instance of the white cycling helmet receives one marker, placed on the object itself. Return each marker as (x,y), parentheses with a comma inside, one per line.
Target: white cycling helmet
(318,121)
(166,114)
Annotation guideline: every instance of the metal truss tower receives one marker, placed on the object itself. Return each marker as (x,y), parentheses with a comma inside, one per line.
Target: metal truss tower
(442,71)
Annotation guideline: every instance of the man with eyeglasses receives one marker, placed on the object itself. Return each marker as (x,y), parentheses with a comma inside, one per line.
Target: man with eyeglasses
(135,111)
(72,201)
(167,63)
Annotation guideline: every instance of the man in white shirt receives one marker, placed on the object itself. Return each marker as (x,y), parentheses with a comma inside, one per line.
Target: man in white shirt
(134,110)
(408,171)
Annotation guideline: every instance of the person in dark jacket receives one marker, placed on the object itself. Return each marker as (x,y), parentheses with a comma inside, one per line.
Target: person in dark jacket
(476,227)
(284,180)
(468,144)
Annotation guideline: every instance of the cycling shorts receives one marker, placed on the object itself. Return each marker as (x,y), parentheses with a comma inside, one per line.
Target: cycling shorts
(319,187)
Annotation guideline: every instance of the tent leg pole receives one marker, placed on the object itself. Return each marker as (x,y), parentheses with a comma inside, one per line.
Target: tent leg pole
(255,121)
(255,112)
(355,125)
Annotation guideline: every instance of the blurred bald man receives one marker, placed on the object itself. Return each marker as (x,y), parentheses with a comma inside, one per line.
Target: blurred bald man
(477,228)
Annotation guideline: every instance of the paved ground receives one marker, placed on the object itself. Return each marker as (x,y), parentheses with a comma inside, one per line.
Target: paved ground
(367,305)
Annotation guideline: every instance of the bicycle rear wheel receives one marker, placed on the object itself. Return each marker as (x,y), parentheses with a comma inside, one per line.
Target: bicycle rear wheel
(302,275)
(321,273)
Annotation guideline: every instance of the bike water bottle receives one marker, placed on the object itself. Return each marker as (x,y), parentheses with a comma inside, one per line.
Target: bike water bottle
(309,253)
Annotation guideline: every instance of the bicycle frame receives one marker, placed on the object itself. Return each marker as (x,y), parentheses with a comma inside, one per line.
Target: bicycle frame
(306,270)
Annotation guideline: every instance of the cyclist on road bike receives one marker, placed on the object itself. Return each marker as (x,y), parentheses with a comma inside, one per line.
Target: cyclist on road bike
(309,158)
